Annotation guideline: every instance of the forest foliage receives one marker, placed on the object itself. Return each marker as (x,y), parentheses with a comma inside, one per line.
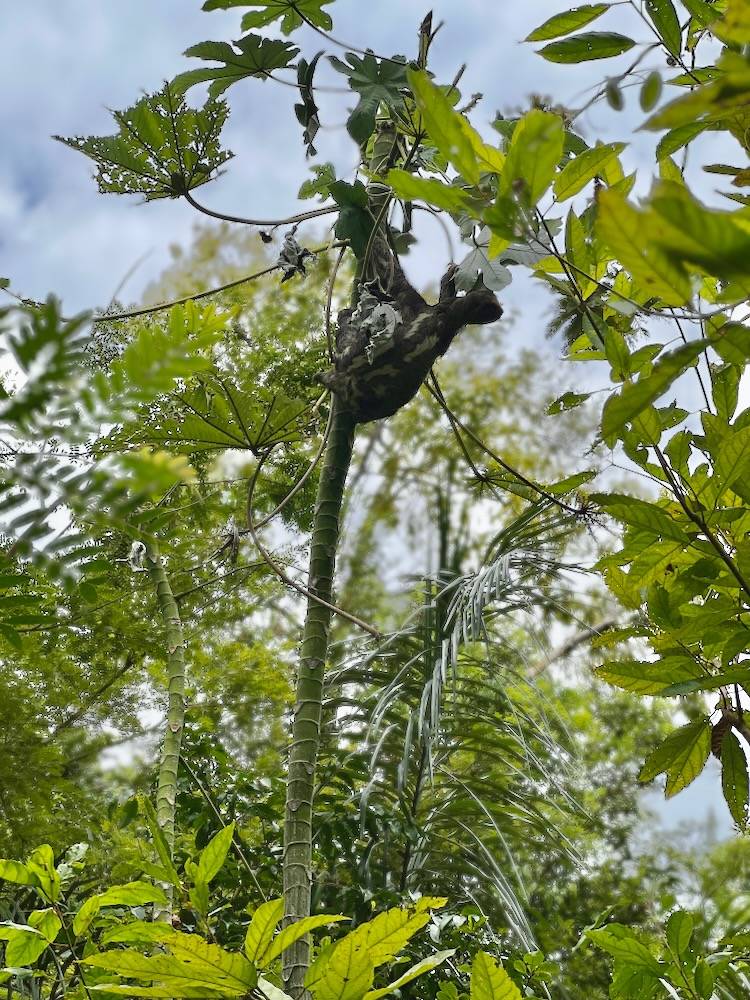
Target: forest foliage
(413,768)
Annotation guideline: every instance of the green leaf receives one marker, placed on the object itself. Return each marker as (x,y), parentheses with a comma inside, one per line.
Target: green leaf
(624,229)
(14,871)
(291,13)
(682,756)
(641,514)
(24,947)
(733,457)
(679,137)
(636,396)
(261,928)
(193,963)
(583,168)
(587,46)
(355,221)
(409,187)
(46,922)
(703,974)
(346,972)
(679,932)
(388,933)
(324,176)
(651,92)
(703,12)
(734,779)
(377,81)
(444,125)
(568,401)
(622,944)
(41,862)
(160,843)
(214,854)
(535,150)
(567,21)
(130,894)
(251,55)
(293,933)
(490,981)
(426,965)
(666,22)
(646,677)
(163,148)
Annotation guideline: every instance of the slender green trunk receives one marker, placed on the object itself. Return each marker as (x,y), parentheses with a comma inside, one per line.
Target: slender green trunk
(166,789)
(303,751)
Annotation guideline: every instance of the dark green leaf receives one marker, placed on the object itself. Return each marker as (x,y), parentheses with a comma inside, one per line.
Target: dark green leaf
(667,25)
(377,82)
(257,56)
(567,21)
(734,779)
(291,13)
(587,46)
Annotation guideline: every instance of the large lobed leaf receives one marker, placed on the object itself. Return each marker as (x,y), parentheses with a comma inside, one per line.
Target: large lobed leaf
(292,13)
(250,56)
(163,147)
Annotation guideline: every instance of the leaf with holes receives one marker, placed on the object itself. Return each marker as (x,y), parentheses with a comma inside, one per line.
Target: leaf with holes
(163,148)
(251,55)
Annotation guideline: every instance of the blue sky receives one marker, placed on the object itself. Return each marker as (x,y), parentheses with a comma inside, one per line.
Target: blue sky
(64,62)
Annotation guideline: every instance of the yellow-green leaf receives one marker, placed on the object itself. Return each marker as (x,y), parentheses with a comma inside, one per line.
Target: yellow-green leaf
(433,192)
(14,871)
(262,926)
(648,678)
(490,981)
(445,126)
(624,229)
(344,973)
(426,965)
(535,151)
(579,171)
(214,854)
(293,933)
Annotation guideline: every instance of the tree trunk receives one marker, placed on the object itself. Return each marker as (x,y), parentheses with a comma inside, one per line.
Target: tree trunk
(303,751)
(166,789)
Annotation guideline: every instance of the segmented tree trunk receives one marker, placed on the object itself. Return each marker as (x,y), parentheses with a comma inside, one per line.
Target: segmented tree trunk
(303,751)
(166,789)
